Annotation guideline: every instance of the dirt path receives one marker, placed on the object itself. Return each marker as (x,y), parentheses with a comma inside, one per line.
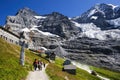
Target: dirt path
(38,75)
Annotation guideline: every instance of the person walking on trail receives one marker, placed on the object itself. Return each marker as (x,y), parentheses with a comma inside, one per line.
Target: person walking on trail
(44,64)
(35,63)
(39,65)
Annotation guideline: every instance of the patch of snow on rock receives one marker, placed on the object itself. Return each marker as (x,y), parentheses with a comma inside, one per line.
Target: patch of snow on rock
(39,17)
(94,17)
(113,6)
(44,33)
(92,31)
(92,12)
(25,30)
(115,22)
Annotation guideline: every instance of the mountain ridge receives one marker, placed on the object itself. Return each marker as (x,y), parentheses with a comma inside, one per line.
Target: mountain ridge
(86,37)
(58,24)
(98,14)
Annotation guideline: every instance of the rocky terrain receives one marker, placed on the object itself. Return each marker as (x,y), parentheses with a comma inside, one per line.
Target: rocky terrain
(54,23)
(94,52)
(102,15)
(92,38)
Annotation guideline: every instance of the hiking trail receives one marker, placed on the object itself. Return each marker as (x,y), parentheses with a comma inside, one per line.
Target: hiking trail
(38,75)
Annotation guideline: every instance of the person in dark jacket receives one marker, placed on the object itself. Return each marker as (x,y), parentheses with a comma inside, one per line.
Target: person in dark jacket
(35,63)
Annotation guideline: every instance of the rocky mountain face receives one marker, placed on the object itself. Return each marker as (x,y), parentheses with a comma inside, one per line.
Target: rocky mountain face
(54,23)
(92,38)
(102,15)
(58,24)
(22,19)
(94,52)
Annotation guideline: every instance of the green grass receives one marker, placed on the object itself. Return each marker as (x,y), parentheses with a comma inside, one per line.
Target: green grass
(9,62)
(10,69)
(112,75)
(54,70)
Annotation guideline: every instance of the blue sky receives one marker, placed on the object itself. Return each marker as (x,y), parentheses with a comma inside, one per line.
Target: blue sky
(70,8)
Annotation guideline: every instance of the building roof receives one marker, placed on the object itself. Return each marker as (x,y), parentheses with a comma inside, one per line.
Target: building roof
(69,66)
(9,32)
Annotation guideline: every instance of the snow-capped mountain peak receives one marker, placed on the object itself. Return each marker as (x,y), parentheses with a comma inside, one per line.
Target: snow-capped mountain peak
(91,23)
(100,15)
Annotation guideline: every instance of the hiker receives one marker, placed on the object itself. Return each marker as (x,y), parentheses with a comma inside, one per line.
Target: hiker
(35,63)
(44,64)
(39,65)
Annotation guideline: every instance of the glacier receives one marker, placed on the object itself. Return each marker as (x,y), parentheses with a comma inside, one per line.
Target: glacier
(92,31)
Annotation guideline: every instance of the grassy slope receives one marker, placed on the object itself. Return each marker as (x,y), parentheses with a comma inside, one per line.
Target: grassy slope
(55,72)
(10,68)
(107,73)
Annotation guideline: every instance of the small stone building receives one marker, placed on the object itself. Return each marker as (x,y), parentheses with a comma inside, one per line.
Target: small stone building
(70,69)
